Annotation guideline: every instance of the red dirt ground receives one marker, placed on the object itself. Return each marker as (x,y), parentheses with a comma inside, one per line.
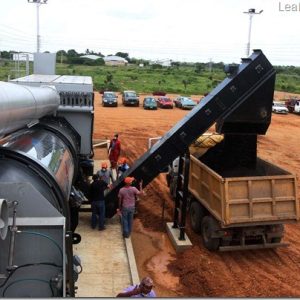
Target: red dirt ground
(196,271)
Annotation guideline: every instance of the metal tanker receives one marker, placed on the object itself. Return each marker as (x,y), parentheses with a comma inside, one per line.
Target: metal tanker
(41,159)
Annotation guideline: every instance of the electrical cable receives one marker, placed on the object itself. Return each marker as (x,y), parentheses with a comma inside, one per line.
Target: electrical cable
(28,265)
(28,279)
(45,236)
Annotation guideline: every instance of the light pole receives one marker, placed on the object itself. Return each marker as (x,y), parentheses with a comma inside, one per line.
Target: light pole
(38,37)
(251,12)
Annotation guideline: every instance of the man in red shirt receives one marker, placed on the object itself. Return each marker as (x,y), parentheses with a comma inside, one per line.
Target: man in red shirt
(127,197)
(114,151)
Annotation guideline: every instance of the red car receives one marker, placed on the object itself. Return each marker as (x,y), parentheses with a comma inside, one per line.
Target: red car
(164,102)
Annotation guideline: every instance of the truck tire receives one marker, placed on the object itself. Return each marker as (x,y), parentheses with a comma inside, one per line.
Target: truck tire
(276,240)
(208,227)
(197,213)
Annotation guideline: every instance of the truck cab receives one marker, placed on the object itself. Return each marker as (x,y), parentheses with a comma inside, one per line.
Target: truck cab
(293,104)
(297,107)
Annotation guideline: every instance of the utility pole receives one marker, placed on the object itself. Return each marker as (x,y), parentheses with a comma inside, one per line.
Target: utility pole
(38,37)
(251,12)
(210,65)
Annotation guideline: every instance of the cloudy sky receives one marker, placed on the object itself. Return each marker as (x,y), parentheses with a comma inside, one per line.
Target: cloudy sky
(181,30)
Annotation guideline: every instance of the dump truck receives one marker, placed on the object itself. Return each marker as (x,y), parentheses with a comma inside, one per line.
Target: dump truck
(236,208)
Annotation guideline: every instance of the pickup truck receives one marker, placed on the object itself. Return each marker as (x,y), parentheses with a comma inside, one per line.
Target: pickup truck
(239,210)
(130,98)
(279,108)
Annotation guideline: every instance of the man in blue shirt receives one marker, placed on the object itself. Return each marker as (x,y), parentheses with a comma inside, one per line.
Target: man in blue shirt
(144,289)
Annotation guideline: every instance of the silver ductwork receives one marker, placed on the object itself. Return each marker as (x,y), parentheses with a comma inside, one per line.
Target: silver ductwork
(23,105)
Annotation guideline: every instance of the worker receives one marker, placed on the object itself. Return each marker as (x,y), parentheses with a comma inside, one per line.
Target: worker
(127,197)
(114,151)
(122,166)
(106,173)
(96,196)
(144,289)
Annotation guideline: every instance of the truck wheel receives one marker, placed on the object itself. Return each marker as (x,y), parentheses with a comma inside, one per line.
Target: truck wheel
(197,213)
(276,240)
(280,230)
(208,227)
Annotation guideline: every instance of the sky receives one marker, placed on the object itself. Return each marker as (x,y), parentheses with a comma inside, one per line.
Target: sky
(180,30)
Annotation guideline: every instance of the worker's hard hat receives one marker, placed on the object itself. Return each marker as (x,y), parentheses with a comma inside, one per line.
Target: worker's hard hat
(104,165)
(128,180)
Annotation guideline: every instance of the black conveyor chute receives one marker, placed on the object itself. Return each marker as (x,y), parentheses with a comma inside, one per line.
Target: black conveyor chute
(252,81)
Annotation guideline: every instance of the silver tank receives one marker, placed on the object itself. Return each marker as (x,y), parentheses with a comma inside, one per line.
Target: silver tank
(21,105)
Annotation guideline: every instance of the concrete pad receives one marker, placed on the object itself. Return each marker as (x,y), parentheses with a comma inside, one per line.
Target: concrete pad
(105,263)
(173,234)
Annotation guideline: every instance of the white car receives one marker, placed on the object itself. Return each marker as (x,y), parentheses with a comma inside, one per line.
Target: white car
(279,108)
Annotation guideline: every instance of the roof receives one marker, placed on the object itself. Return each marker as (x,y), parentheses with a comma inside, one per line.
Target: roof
(61,82)
(114,58)
(91,56)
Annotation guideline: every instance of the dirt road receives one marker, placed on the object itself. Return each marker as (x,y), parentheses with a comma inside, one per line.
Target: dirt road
(198,272)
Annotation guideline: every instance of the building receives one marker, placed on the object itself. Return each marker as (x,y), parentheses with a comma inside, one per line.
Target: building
(162,62)
(22,56)
(91,56)
(113,60)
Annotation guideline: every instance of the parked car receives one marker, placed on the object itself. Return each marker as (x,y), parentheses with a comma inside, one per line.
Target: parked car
(164,102)
(149,103)
(130,98)
(177,101)
(185,102)
(109,99)
(279,108)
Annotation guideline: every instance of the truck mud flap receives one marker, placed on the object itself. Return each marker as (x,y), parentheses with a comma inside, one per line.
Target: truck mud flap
(252,247)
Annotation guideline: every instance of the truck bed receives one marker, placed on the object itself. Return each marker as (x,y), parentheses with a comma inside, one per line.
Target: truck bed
(266,195)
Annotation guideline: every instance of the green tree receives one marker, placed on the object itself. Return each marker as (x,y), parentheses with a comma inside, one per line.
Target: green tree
(72,53)
(5,54)
(160,82)
(175,64)
(199,67)
(124,55)
(185,83)
(109,78)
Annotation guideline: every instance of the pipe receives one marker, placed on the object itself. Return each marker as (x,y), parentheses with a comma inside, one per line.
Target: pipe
(21,105)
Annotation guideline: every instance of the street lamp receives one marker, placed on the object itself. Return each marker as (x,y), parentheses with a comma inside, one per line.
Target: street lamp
(38,37)
(251,12)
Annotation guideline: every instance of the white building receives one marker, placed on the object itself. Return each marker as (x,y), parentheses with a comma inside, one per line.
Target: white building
(22,56)
(162,62)
(113,60)
(91,56)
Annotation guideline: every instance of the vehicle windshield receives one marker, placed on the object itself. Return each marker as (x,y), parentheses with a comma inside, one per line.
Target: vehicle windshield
(165,99)
(109,95)
(279,104)
(150,100)
(131,94)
